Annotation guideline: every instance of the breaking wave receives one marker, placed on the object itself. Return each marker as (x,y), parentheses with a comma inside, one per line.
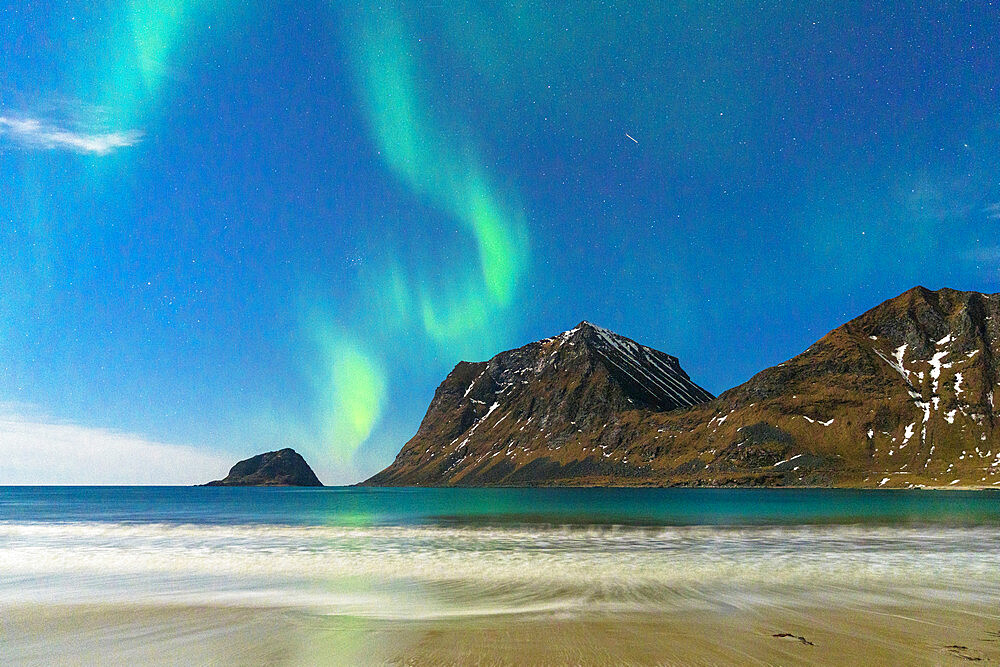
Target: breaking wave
(416,572)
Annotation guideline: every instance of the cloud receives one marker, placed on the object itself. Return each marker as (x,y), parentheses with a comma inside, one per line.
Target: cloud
(40,451)
(993,211)
(33,133)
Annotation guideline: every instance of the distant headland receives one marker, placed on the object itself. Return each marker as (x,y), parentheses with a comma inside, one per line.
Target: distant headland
(284,467)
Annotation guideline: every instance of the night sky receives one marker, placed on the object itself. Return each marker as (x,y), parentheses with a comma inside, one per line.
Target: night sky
(227,227)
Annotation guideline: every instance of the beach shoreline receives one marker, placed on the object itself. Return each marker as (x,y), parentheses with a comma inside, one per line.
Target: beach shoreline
(277,577)
(808,634)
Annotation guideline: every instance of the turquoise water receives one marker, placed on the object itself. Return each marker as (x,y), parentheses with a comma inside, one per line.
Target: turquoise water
(352,506)
(440,553)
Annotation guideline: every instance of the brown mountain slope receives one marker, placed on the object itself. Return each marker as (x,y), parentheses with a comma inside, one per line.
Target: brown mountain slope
(487,419)
(902,395)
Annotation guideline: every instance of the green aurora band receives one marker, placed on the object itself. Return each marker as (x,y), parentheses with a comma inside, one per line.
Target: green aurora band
(423,156)
(450,303)
(357,388)
(143,49)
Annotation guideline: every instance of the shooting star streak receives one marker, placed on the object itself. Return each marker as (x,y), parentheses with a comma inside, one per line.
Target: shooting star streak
(630,137)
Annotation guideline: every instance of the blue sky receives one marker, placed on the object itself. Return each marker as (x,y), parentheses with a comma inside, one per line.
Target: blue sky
(233,227)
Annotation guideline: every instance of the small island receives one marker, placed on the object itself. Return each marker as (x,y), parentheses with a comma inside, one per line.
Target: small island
(284,467)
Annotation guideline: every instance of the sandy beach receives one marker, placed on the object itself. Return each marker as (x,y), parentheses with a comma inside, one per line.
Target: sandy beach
(885,635)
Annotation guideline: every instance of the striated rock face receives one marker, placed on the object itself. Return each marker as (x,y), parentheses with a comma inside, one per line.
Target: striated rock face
(901,396)
(502,421)
(284,467)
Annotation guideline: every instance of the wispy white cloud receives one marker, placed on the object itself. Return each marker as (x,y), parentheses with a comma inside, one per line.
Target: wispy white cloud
(36,450)
(993,211)
(35,133)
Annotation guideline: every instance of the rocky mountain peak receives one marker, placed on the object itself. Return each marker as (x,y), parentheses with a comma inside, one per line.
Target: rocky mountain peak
(541,397)
(921,317)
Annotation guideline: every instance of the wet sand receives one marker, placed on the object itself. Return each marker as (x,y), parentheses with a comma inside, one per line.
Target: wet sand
(800,635)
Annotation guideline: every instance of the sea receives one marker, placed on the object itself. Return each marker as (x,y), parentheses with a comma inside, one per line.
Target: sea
(353,575)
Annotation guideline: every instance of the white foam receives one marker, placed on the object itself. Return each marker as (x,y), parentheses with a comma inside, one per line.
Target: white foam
(431,572)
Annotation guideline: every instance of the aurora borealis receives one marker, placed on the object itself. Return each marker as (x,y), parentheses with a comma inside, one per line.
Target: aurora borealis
(244,226)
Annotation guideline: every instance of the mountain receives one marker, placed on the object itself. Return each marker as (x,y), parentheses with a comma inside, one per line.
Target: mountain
(900,396)
(285,467)
(498,421)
